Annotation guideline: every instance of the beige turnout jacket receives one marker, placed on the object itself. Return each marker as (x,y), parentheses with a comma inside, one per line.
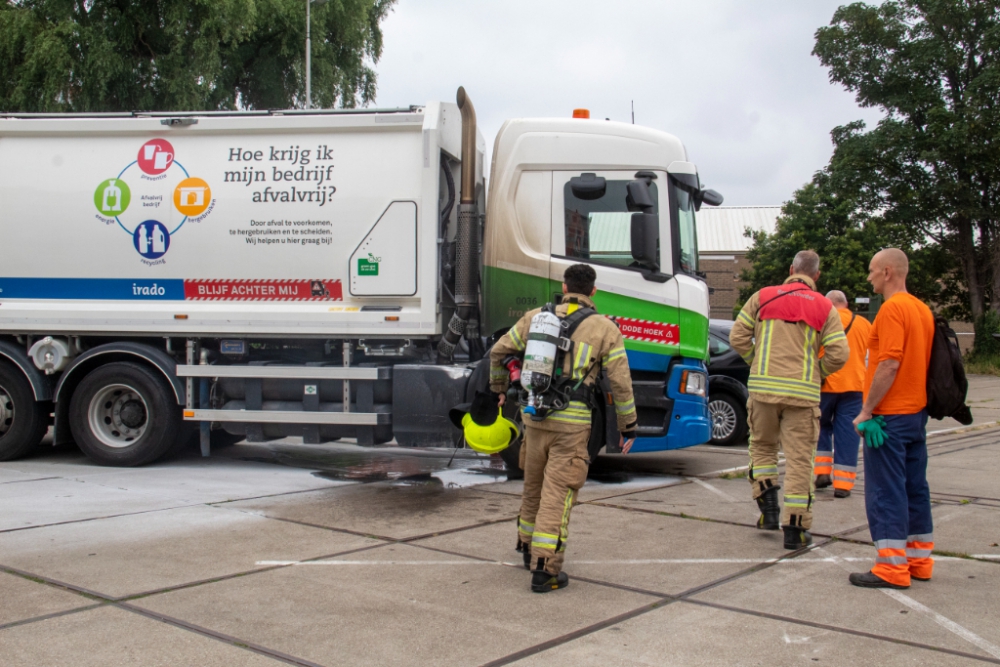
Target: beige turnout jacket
(597,342)
(784,366)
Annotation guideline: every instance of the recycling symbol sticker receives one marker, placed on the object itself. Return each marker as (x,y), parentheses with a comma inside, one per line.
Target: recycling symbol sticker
(152,198)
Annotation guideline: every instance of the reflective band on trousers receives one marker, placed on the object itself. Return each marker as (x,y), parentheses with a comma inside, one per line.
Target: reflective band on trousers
(525,527)
(920,546)
(564,525)
(797,501)
(891,560)
(545,541)
(890,544)
(764,470)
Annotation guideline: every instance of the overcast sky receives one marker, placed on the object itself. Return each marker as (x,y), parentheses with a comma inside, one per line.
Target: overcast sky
(734,80)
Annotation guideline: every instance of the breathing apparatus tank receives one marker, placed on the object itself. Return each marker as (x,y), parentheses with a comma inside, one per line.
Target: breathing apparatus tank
(540,356)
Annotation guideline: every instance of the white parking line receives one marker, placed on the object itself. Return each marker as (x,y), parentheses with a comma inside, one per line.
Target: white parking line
(720,492)
(646,561)
(943,621)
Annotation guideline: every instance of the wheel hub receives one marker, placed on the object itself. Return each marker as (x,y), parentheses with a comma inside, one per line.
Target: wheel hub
(6,412)
(133,414)
(118,415)
(723,419)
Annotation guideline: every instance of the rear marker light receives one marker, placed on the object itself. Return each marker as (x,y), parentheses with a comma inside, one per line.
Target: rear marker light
(581,113)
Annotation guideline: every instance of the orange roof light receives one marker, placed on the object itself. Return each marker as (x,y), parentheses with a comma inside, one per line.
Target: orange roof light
(581,113)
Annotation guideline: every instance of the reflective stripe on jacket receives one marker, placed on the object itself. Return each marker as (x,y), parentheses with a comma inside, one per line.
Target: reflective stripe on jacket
(783,355)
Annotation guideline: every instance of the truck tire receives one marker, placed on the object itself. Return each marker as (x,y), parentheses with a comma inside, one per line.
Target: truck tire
(124,414)
(23,420)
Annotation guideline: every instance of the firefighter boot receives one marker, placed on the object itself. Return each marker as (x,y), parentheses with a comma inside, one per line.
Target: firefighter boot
(823,481)
(770,512)
(543,582)
(797,538)
(525,550)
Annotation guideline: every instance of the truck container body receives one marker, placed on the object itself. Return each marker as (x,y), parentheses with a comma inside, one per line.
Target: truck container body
(322,274)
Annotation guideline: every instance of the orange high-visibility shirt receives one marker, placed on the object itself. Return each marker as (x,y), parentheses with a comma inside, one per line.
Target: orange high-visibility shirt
(904,331)
(852,376)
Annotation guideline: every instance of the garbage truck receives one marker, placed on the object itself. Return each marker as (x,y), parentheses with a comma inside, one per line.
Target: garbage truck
(171,278)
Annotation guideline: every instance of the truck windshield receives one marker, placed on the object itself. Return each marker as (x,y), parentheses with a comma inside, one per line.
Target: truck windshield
(683,199)
(599,230)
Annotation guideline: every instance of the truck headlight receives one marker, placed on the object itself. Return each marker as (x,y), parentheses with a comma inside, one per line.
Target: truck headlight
(693,383)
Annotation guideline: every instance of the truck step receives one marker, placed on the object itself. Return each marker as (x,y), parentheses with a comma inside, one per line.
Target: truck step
(285,372)
(289,417)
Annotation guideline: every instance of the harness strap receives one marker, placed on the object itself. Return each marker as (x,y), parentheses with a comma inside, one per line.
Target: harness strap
(850,324)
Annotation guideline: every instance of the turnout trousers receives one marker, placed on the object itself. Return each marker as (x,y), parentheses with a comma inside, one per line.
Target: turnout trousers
(555,468)
(898,500)
(837,450)
(796,428)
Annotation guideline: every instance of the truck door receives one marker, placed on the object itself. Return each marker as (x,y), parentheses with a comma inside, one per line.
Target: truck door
(591,223)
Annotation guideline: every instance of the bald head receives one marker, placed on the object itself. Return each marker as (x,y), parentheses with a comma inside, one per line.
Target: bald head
(887,271)
(893,259)
(806,262)
(837,298)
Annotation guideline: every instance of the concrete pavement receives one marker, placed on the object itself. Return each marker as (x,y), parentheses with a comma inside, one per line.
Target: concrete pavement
(336,555)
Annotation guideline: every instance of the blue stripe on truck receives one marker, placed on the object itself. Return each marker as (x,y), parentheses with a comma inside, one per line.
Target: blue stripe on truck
(107,289)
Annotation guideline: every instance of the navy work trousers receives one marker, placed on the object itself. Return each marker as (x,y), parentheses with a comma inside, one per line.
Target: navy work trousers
(898,499)
(837,435)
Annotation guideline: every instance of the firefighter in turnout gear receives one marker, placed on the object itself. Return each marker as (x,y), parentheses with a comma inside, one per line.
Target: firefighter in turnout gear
(780,332)
(554,455)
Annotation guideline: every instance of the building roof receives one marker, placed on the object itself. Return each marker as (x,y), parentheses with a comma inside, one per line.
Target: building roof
(720,229)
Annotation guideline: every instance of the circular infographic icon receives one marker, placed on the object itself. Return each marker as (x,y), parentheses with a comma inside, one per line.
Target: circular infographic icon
(156,156)
(192,196)
(112,197)
(151,239)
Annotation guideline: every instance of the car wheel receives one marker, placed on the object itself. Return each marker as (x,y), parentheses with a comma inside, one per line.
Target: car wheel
(23,420)
(124,414)
(729,419)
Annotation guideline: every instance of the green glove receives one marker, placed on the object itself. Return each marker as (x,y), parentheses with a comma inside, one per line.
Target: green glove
(872,431)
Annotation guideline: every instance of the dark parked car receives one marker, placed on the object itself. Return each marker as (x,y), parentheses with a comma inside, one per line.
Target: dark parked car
(727,386)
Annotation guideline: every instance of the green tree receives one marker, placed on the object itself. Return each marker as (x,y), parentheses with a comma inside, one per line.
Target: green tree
(124,55)
(820,217)
(933,162)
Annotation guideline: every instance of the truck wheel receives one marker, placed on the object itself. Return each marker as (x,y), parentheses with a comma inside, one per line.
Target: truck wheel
(124,414)
(729,419)
(23,420)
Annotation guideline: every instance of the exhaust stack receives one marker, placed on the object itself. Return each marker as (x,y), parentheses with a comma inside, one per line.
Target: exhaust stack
(466,236)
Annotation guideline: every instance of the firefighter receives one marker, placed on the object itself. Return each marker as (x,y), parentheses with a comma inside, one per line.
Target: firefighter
(779,332)
(555,455)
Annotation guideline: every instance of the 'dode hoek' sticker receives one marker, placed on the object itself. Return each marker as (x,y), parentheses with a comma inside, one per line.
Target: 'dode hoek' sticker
(152,198)
(648,331)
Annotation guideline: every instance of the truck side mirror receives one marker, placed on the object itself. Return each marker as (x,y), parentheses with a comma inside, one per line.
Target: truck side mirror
(588,187)
(645,236)
(637,197)
(710,197)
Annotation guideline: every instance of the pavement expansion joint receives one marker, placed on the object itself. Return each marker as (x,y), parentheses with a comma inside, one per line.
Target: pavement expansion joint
(25,481)
(218,636)
(56,614)
(839,629)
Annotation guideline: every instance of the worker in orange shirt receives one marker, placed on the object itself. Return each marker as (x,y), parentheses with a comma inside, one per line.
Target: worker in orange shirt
(840,402)
(893,420)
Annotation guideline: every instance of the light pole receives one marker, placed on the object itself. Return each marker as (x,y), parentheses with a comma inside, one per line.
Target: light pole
(309,3)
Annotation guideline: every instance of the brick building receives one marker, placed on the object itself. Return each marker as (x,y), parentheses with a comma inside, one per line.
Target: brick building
(722,249)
